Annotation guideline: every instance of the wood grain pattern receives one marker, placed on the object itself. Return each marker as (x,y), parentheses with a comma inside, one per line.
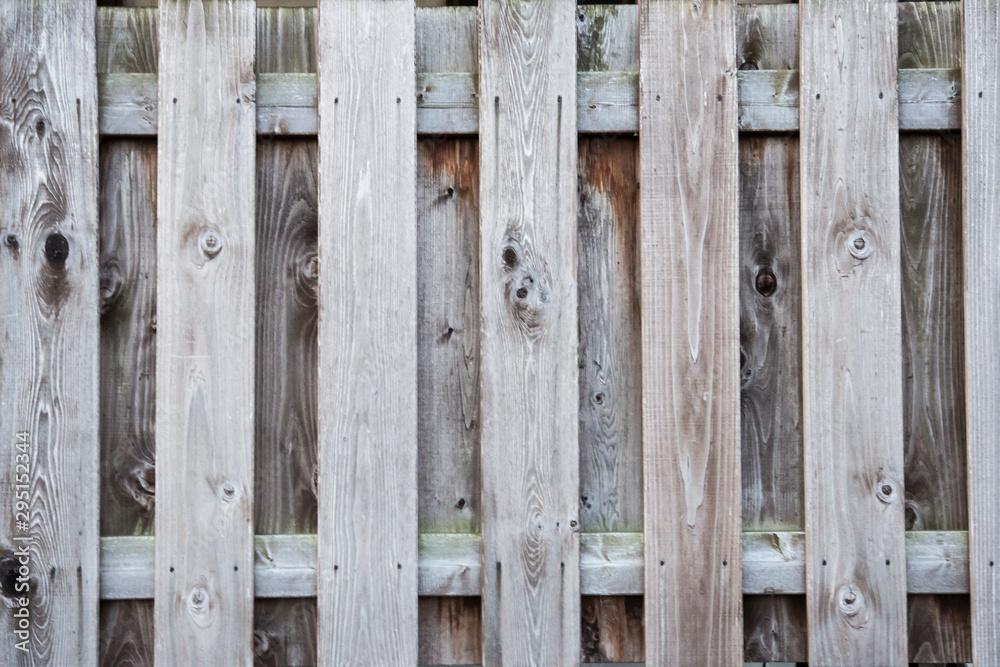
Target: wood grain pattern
(610,340)
(690,306)
(529,377)
(367,334)
(49,305)
(852,366)
(981,207)
(448,323)
(205,333)
(128,376)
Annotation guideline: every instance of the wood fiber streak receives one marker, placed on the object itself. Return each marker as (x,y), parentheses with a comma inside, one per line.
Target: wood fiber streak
(448,323)
(852,368)
(770,334)
(933,373)
(128,376)
(367,334)
(287,384)
(205,333)
(610,339)
(287,381)
(981,208)
(49,312)
(128,40)
(690,306)
(448,427)
(529,377)
(610,376)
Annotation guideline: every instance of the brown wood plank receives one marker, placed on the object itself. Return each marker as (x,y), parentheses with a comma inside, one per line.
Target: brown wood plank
(855,564)
(128,376)
(367,601)
(981,206)
(205,333)
(49,310)
(529,378)
(690,306)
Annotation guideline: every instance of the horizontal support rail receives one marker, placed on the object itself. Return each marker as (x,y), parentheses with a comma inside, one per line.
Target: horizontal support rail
(610,564)
(607,102)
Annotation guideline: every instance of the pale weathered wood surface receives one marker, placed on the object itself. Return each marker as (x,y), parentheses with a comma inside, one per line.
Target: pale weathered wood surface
(690,310)
(852,368)
(981,208)
(529,377)
(205,333)
(49,308)
(367,334)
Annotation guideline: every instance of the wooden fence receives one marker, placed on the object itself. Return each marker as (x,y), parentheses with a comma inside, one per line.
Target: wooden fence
(434,380)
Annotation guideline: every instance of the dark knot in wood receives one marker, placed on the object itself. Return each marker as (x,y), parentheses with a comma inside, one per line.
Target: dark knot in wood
(526,287)
(110,284)
(765,282)
(10,240)
(56,248)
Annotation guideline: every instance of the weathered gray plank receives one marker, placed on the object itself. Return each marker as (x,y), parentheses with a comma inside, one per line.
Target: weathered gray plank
(690,309)
(449,564)
(529,378)
(205,333)
(367,334)
(49,400)
(856,579)
(981,207)
(607,102)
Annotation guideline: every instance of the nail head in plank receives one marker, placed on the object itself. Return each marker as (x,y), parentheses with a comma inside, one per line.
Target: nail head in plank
(981,205)
(690,331)
(367,334)
(529,377)
(852,369)
(49,307)
(205,332)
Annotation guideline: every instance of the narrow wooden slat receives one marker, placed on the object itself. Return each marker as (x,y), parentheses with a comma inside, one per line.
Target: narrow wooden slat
(607,102)
(205,333)
(49,307)
(367,334)
(852,402)
(981,208)
(690,335)
(529,377)
(937,562)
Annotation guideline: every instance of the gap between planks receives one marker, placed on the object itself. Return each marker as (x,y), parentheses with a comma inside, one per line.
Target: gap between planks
(449,564)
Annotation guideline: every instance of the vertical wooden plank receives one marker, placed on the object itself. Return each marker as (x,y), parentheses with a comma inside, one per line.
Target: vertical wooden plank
(287,382)
(367,334)
(205,332)
(852,369)
(128,376)
(49,404)
(530,410)
(448,323)
(690,306)
(981,207)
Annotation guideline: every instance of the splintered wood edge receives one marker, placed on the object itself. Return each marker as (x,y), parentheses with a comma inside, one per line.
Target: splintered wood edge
(607,102)
(610,564)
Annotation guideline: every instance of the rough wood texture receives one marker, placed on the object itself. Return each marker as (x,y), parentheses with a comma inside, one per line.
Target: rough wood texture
(690,305)
(981,207)
(610,341)
(367,334)
(128,376)
(448,322)
(49,304)
(205,333)
(451,631)
(529,377)
(856,579)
